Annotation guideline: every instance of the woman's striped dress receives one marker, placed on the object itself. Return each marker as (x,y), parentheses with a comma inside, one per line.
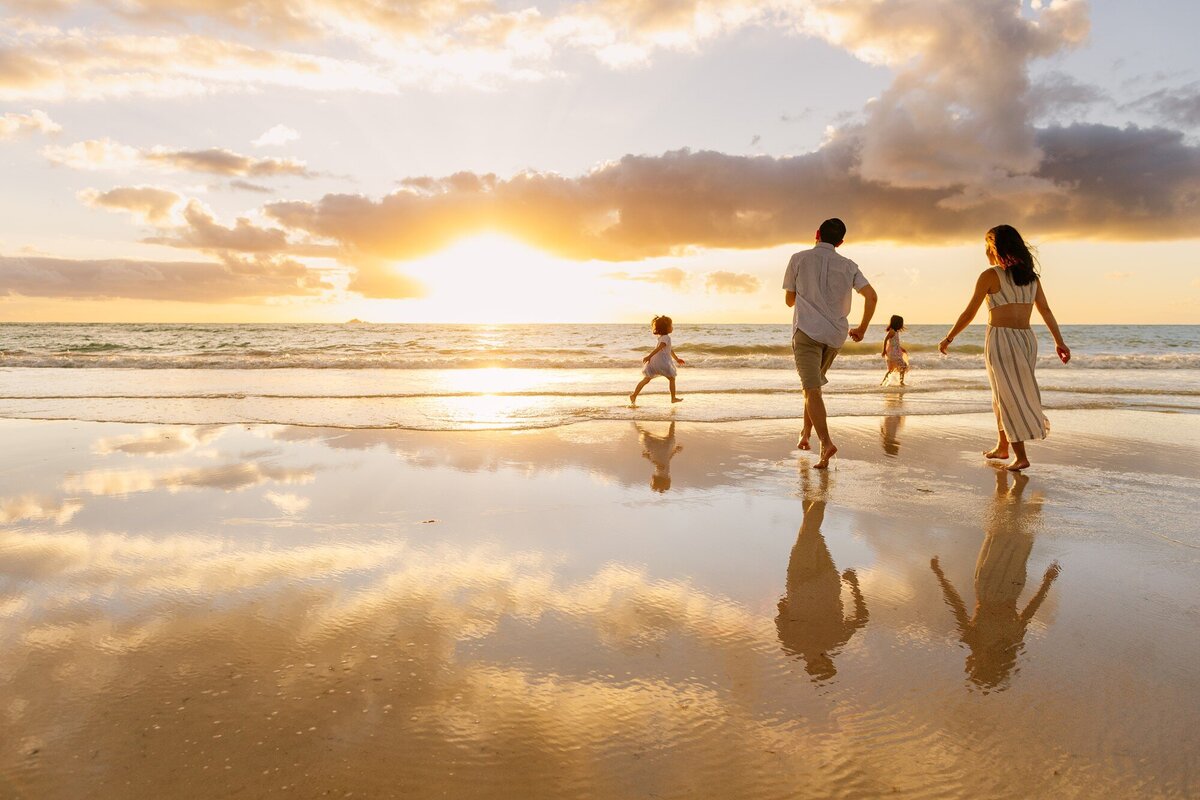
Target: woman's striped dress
(1011,356)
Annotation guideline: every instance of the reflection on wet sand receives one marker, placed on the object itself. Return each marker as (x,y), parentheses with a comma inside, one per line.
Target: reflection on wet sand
(891,424)
(659,450)
(554,635)
(995,633)
(812,623)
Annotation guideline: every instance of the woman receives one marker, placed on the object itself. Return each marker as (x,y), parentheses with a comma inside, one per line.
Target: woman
(1012,289)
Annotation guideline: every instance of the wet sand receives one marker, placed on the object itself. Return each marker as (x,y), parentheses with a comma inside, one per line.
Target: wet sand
(603,610)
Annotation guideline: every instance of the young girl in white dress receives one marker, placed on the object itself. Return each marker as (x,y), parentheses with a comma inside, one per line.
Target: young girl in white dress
(897,356)
(661,361)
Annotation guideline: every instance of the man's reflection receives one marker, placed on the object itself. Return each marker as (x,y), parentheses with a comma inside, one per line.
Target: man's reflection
(995,634)
(812,622)
(891,424)
(659,450)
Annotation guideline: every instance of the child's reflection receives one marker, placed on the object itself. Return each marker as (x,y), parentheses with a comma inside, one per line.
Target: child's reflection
(995,634)
(659,450)
(811,621)
(891,425)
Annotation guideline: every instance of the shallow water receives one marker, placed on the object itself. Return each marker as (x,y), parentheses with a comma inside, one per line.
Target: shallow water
(609,609)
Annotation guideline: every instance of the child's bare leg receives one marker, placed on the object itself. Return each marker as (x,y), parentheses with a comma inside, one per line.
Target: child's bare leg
(674,399)
(886,375)
(1000,451)
(1019,461)
(903,371)
(638,390)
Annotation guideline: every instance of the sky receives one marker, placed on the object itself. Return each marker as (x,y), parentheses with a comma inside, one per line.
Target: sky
(515,161)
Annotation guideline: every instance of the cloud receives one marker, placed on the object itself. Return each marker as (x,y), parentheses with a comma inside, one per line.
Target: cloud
(668,276)
(246,186)
(1179,106)
(186,281)
(218,161)
(49,63)
(151,204)
(203,232)
(382,282)
(1058,94)
(276,136)
(725,282)
(1118,276)
(1092,181)
(956,113)
(106,154)
(13,124)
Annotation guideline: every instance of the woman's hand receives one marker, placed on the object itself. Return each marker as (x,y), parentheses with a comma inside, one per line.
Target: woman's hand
(646,360)
(679,360)
(1063,351)
(944,345)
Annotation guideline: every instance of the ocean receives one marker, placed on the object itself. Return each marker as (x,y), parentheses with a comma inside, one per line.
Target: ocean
(450,377)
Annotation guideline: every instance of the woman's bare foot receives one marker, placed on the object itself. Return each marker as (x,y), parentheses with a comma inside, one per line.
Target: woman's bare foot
(826,454)
(803,443)
(1017,465)
(998,453)
(633,399)
(676,399)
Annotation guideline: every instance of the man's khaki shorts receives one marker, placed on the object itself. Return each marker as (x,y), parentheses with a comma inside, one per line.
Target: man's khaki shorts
(812,359)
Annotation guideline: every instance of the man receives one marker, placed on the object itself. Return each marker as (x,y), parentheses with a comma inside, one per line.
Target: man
(818,285)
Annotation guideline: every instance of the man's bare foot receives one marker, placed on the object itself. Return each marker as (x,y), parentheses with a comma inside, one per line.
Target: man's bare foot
(1018,464)
(998,453)
(803,444)
(676,399)
(826,454)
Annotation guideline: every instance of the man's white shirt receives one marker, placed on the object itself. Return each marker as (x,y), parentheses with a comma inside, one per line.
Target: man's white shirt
(823,280)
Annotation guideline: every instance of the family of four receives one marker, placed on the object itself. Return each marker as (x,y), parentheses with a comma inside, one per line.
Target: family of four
(819,285)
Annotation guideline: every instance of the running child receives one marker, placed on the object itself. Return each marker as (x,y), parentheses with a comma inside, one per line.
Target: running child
(897,356)
(661,361)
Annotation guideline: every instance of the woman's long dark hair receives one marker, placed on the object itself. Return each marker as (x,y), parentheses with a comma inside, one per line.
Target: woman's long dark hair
(1014,253)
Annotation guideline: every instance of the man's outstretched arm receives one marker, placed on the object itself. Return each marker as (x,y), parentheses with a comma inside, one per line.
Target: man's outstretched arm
(871,300)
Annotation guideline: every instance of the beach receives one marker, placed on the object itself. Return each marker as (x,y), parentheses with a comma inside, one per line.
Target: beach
(613,608)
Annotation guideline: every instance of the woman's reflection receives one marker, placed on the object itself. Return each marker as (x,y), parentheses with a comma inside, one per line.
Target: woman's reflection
(891,424)
(659,450)
(812,622)
(995,634)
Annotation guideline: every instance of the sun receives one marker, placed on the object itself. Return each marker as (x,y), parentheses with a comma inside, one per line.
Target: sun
(493,278)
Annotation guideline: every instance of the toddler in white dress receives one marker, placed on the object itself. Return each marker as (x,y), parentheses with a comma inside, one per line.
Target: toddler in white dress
(661,361)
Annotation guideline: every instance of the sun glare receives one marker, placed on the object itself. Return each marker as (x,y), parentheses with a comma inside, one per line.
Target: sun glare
(493,278)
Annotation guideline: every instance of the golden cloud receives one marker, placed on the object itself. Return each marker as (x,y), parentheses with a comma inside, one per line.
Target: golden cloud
(106,154)
(668,276)
(151,204)
(646,206)
(13,124)
(190,281)
(725,282)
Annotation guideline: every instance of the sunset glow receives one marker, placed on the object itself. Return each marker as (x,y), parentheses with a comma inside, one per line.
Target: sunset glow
(471,162)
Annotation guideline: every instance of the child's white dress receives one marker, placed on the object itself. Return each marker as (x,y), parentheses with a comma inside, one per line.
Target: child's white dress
(661,363)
